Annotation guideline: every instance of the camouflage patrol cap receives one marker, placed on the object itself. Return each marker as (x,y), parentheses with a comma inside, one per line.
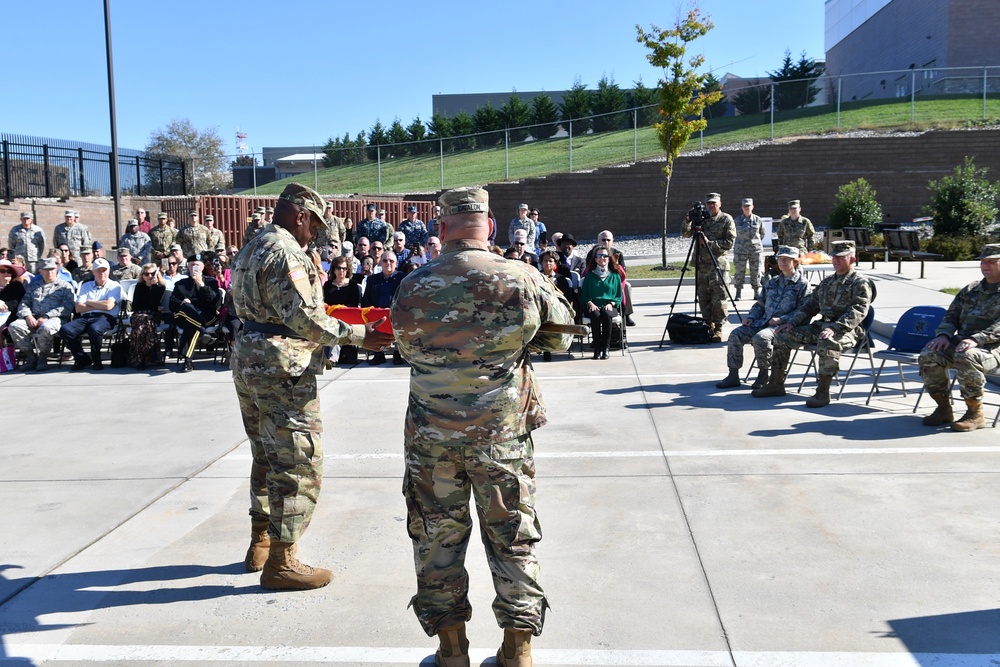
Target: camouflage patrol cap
(794,204)
(269,209)
(747,201)
(713,196)
(26,215)
(259,209)
(162,216)
(68,213)
(193,213)
(48,263)
(303,196)
(209,218)
(255,217)
(132,223)
(842,248)
(464,200)
(787,251)
(991,251)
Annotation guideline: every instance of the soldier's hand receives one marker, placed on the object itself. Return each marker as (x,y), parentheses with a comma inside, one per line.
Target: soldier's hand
(782,327)
(376,340)
(747,321)
(826,333)
(966,344)
(939,344)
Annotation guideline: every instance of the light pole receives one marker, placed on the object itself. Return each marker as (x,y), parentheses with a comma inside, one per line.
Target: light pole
(115,194)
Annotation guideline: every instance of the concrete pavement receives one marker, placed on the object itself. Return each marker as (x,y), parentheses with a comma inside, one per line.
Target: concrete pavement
(684,525)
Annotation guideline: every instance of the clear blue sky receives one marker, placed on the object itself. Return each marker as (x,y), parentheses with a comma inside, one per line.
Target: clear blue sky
(299,71)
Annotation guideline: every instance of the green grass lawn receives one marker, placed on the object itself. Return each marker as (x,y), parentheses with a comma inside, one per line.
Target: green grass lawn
(525,160)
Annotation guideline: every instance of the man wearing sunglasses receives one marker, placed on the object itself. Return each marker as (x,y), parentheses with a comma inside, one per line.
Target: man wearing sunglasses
(522,250)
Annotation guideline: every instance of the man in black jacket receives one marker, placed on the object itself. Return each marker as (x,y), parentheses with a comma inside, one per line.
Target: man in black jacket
(195,304)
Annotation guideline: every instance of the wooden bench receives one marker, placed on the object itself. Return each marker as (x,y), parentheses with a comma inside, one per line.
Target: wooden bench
(905,243)
(863,242)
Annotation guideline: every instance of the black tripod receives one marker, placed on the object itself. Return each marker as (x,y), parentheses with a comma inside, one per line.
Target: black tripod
(699,244)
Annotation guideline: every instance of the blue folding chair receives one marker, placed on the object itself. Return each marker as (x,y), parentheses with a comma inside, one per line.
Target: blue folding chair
(915,329)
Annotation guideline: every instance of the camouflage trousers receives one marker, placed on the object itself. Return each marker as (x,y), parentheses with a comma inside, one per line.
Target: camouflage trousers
(970,367)
(827,351)
(762,341)
(41,337)
(711,293)
(282,420)
(437,484)
(755,260)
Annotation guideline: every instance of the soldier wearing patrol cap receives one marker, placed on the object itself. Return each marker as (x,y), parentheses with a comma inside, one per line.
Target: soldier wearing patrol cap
(195,238)
(74,234)
(195,304)
(748,249)
(138,243)
(161,238)
(413,227)
(710,285)
(968,340)
(842,301)
(462,322)
(277,294)
(27,240)
(256,225)
(796,230)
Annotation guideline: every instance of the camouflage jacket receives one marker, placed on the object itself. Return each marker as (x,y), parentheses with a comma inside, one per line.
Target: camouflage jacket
(415,231)
(275,282)
(216,239)
(528,225)
(749,234)
(841,301)
(333,230)
(975,314)
(130,271)
(796,233)
(193,239)
(720,232)
(375,230)
(161,238)
(252,230)
(76,236)
(465,322)
(29,243)
(54,299)
(139,244)
(780,298)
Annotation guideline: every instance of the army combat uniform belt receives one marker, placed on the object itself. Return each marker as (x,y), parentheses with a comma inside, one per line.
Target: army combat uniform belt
(272,330)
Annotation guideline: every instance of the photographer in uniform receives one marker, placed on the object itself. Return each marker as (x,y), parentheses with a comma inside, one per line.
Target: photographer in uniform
(718,232)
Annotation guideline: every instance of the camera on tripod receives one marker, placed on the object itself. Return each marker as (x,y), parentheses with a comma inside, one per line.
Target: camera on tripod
(696,215)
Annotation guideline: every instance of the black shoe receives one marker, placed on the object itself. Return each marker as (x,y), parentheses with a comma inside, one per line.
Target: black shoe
(376,359)
(80,363)
(397,359)
(629,322)
(98,366)
(187,367)
(546,356)
(604,353)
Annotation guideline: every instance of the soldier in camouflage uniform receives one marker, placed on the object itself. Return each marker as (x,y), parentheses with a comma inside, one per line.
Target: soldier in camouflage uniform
(195,238)
(782,296)
(968,340)
(73,234)
(40,315)
(27,240)
(842,301)
(216,239)
(710,287)
(796,230)
(255,227)
(413,228)
(161,238)
(748,248)
(374,228)
(334,231)
(138,243)
(277,293)
(466,323)
(522,221)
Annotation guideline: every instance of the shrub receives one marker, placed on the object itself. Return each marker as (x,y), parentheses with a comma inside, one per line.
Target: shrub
(957,248)
(964,203)
(856,206)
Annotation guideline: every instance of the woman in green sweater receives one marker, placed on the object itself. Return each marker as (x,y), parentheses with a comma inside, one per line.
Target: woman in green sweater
(601,296)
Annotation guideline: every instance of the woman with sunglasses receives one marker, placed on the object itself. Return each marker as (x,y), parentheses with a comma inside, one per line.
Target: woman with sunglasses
(146,307)
(341,290)
(601,296)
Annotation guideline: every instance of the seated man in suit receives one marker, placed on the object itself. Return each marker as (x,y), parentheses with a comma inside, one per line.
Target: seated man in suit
(195,304)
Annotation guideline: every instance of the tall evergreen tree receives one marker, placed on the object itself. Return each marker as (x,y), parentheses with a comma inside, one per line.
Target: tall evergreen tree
(488,124)
(576,107)
(516,115)
(716,109)
(607,99)
(641,96)
(544,117)
(795,82)
(461,126)
(752,99)
(398,137)
(377,136)
(417,133)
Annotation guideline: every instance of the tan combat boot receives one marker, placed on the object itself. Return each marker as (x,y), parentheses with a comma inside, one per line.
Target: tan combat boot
(821,398)
(454,647)
(260,543)
(973,417)
(775,385)
(731,380)
(516,648)
(942,413)
(284,572)
(762,378)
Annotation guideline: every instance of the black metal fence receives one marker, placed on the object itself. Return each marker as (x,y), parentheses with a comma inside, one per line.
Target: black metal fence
(37,167)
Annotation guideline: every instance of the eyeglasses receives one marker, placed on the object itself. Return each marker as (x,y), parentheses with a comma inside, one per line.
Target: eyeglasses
(604,238)
(601,255)
(172,263)
(149,275)
(520,243)
(63,249)
(340,268)
(378,247)
(388,261)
